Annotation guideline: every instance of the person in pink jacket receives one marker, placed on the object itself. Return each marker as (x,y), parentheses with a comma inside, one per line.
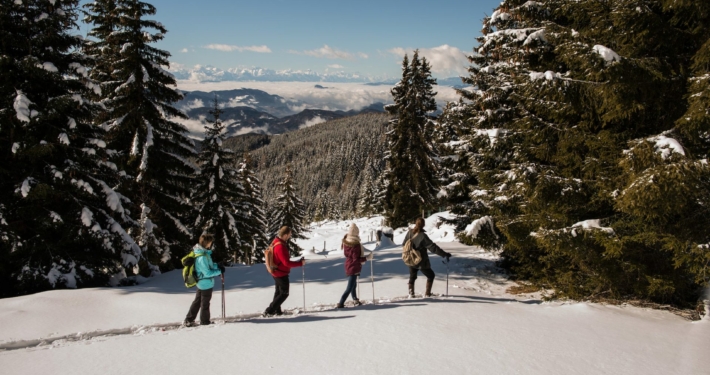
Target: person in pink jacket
(354,258)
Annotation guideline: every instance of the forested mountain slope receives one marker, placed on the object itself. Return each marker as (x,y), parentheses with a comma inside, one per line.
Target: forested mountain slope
(332,163)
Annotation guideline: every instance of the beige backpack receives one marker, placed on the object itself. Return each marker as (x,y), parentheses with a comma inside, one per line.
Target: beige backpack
(410,255)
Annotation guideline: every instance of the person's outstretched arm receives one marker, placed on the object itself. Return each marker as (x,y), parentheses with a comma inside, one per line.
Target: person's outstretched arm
(434,248)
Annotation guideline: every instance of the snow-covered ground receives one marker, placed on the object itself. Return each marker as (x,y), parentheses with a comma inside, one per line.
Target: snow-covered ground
(478,329)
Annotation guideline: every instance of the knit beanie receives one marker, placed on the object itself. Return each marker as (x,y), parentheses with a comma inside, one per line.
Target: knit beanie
(353,234)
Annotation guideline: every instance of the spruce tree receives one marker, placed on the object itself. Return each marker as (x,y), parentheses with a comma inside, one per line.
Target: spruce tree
(218,193)
(367,194)
(152,149)
(103,52)
(569,134)
(62,221)
(288,211)
(411,168)
(254,237)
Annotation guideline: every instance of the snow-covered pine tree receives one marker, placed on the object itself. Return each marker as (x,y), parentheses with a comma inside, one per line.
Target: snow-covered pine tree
(288,210)
(61,217)
(254,237)
(152,149)
(570,140)
(411,167)
(694,125)
(367,194)
(454,192)
(103,54)
(218,193)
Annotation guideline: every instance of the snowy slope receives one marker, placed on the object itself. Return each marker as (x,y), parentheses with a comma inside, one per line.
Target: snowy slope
(478,330)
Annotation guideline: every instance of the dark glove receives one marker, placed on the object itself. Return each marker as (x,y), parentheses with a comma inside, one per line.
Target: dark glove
(448,257)
(221,268)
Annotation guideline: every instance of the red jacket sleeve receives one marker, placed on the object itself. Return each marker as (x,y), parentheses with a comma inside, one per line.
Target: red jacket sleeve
(282,256)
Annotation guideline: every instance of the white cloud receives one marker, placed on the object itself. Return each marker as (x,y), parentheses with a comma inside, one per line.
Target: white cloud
(445,60)
(328,52)
(184,50)
(248,130)
(399,51)
(314,121)
(230,48)
(303,95)
(195,127)
(174,67)
(192,104)
(336,66)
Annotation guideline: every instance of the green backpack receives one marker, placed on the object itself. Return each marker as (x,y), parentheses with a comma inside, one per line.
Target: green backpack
(189,275)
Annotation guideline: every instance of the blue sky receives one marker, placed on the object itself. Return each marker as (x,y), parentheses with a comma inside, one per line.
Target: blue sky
(365,37)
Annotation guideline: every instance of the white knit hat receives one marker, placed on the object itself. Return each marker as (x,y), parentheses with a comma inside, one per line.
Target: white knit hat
(353,233)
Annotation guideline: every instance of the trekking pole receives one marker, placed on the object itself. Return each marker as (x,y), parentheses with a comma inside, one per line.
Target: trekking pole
(304,287)
(372,276)
(447,277)
(224,314)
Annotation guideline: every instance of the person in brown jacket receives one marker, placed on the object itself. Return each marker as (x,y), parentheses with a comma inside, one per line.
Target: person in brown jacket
(421,243)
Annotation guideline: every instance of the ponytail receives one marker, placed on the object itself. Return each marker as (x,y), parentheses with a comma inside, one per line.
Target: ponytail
(418,226)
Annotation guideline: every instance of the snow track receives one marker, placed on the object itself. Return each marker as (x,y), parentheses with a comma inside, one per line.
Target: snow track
(145,329)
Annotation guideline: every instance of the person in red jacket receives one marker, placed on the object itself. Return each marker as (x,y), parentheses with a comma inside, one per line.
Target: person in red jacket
(284,264)
(353,250)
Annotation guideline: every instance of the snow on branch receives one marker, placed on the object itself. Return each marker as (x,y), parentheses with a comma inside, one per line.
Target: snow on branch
(26,187)
(22,109)
(184,161)
(87,217)
(178,224)
(589,225)
(606,53)
(161,70)
(475,227)
(667,145)
(113,199)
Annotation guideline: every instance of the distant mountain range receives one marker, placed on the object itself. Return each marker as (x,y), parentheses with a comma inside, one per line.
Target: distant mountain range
(201,73)
(255,111)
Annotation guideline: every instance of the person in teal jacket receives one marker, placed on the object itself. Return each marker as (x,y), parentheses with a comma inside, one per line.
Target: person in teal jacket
(206,270)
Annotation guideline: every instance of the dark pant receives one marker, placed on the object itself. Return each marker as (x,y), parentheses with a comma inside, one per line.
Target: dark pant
(201,302)
(351,289)
(429,273)
(280,295)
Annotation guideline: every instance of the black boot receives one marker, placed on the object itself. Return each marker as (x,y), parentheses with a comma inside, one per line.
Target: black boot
(411,290)
(429,284)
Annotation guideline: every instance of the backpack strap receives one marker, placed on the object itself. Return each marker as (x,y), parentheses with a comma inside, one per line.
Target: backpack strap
(412,237)
(197,274)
